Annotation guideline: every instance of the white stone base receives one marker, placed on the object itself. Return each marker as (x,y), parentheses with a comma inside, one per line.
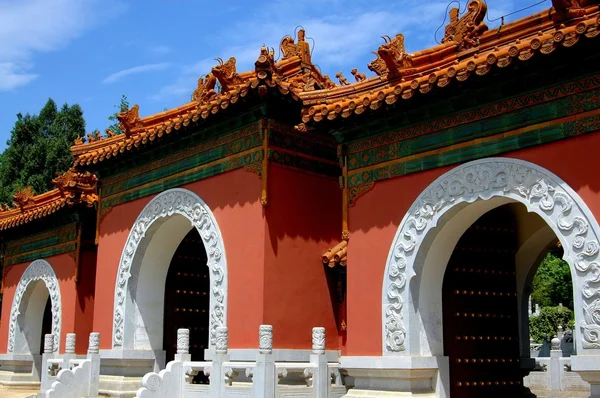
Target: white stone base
(396,376)
(119,386)
(20,370)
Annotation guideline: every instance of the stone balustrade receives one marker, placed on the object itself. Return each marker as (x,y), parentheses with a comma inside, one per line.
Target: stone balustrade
(67,376)
(259,379)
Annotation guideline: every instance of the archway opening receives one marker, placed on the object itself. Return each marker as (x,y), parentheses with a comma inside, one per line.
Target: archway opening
(187,297)
(139,311)
(549,287)
(32,321)
(46,323)
(485,291)
(480,308)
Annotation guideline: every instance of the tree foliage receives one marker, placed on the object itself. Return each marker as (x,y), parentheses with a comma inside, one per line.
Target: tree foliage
(39,148)
(544,326)
(552,284)
(123,106)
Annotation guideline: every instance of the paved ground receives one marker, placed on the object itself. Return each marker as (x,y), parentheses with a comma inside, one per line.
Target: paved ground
(13,392)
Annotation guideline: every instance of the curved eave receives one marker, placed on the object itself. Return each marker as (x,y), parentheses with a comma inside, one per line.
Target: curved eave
(43,205)
(519,42)
(157,125)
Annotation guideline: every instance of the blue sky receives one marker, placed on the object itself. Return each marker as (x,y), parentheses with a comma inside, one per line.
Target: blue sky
(91,51)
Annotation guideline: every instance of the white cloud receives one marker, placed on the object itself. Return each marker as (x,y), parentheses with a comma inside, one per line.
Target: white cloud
(115,77)
(159,49)
(12,76)
(344,33)
(30,27)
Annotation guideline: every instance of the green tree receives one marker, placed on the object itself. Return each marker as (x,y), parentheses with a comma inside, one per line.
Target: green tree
(544,326)
(39,148)
(123,106)
(552,284)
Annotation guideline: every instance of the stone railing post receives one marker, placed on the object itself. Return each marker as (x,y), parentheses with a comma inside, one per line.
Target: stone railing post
(554,368)
(48,354)
(264,378)
(93,355)
(216,371)
(321,378)
(70,342)
(183,345)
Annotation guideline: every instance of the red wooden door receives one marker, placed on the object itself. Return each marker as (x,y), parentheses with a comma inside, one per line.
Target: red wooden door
(480,310)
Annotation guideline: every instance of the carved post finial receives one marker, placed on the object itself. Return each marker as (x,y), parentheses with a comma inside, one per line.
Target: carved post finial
(70,343)
(94,343)
(48,344)
(222,340)
(318,340)
(265,339)
(183,341)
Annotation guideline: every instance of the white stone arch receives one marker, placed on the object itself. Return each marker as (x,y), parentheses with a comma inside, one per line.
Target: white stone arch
(171,207)
(482,185)
(28,305)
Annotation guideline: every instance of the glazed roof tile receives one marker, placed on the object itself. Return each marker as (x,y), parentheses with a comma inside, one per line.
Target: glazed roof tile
(336,255)
(469,49)
(72,187)
(438,66)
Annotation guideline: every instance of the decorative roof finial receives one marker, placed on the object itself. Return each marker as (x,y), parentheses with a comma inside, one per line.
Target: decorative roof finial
(343,81)
(465,31)
(392,57)
(130,119)
(567,9)
(205,89)
(301,49)
(357,75)
(226,73)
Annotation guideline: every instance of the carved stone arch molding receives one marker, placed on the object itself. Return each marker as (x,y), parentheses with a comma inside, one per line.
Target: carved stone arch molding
(39,270)
(541,192)
(188,204)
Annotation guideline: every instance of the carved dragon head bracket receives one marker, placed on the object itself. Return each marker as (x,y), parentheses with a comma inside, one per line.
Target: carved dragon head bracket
(77,186)
(24,198)
(130,120)
(392,58)
(205,89)
(466,30)
(226,73)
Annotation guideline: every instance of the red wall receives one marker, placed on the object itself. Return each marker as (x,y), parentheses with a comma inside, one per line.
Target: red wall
(303,221)
(376,216)
(233,198)
(76,306)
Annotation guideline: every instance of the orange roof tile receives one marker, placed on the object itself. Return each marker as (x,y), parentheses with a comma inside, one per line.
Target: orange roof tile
(436,67)
(468,49)
(336,255)
(72,187)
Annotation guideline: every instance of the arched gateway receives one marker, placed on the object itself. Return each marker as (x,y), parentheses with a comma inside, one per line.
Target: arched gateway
(412,312)
(150,246)
(26,313)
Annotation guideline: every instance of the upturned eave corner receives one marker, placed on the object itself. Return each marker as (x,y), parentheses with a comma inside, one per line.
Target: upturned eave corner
(71,188)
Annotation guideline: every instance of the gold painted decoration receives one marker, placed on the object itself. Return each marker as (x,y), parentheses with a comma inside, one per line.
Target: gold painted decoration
(465,30)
